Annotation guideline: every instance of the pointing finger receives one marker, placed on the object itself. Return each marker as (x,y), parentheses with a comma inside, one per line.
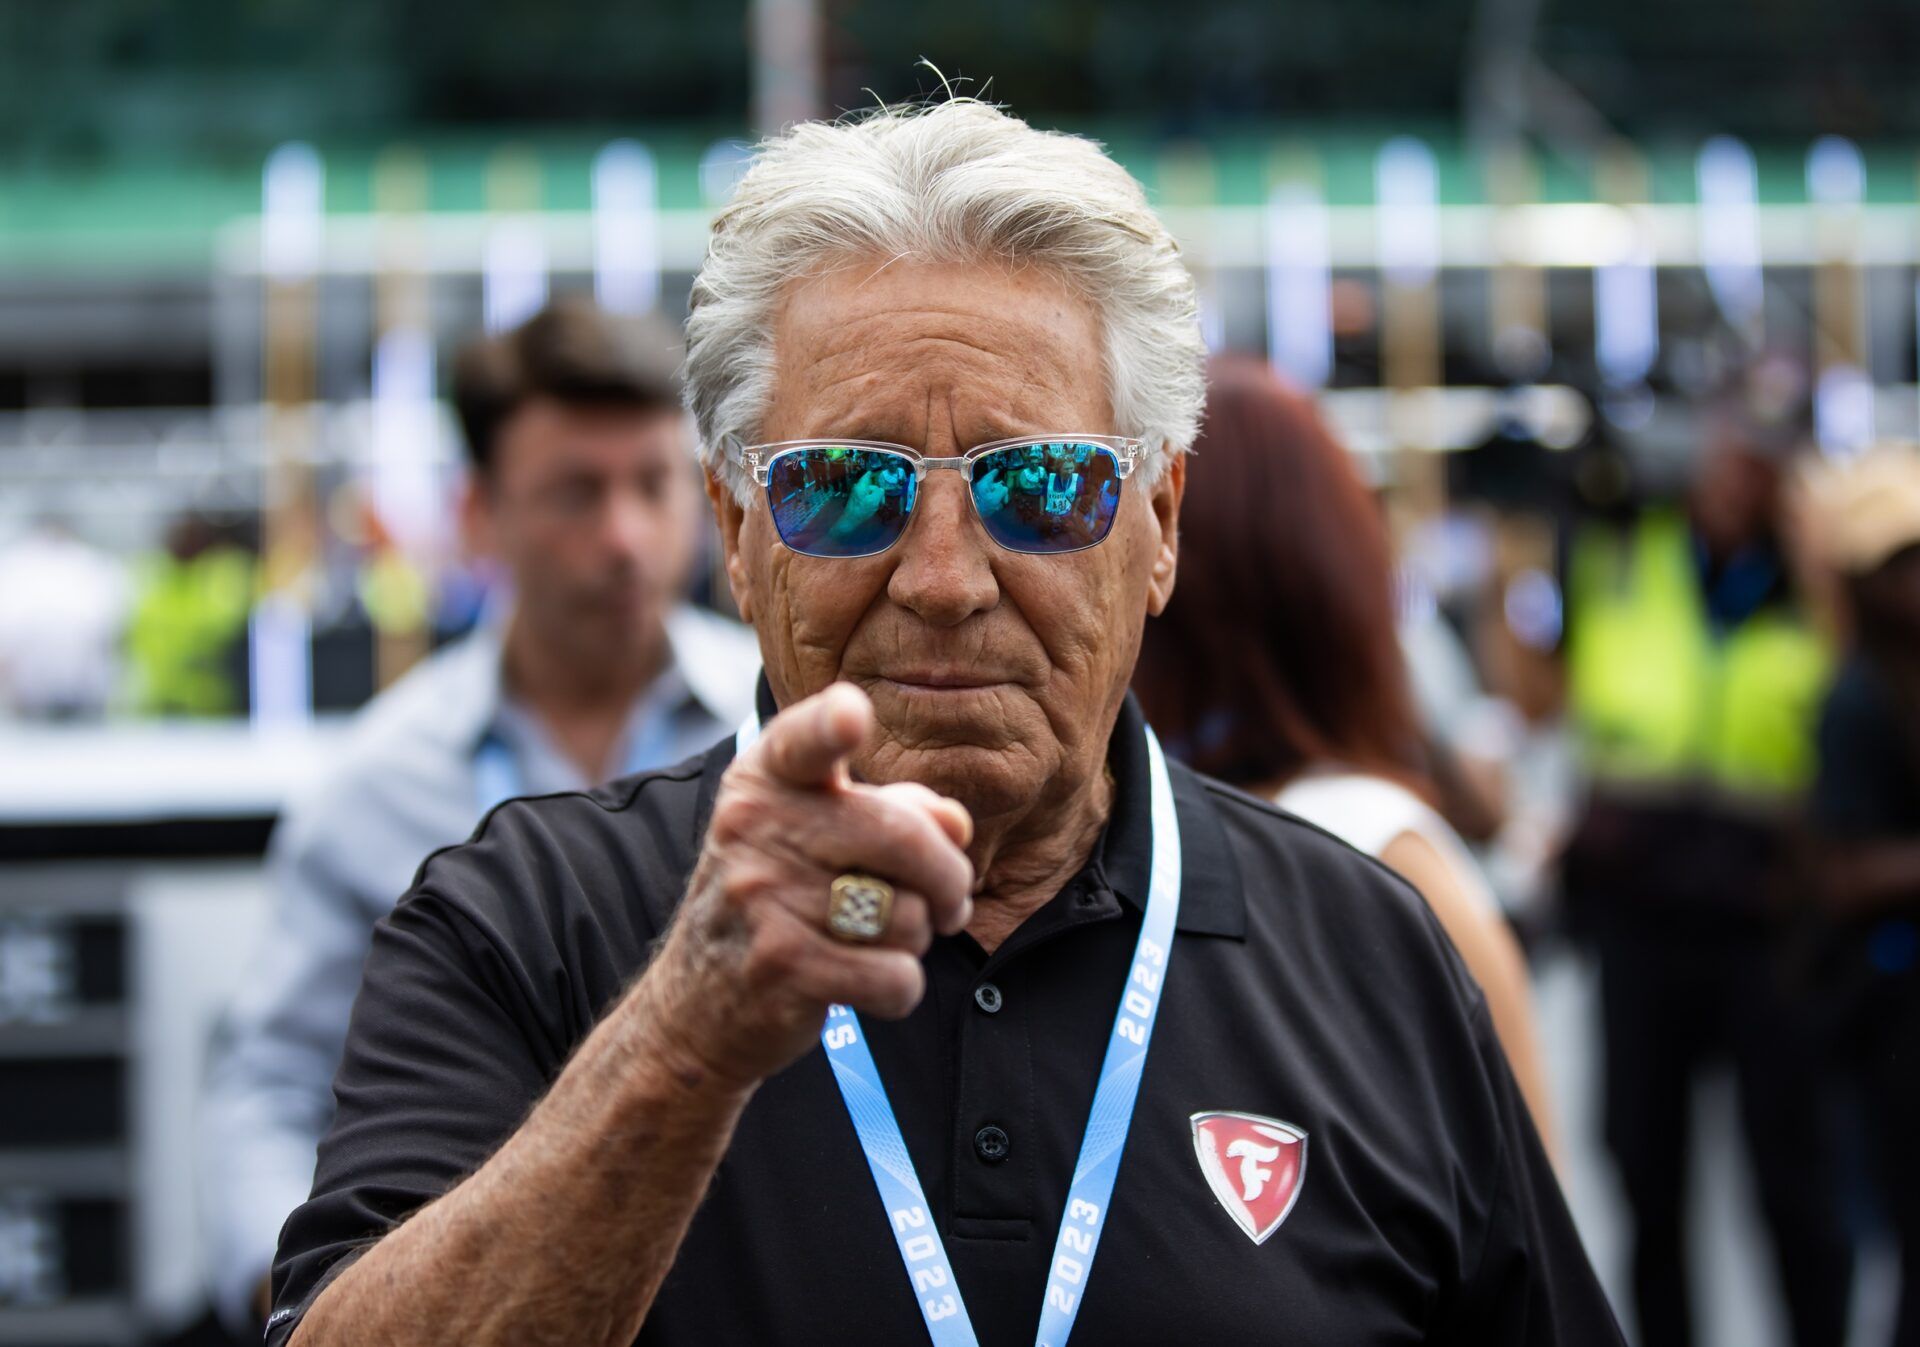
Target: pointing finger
(808,743)
(950,814)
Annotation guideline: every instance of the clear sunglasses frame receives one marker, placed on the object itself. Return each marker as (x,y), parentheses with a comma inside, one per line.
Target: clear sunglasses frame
(759,458)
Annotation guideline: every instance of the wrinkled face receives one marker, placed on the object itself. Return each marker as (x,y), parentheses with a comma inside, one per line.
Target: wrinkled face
(594,512)
(996,676)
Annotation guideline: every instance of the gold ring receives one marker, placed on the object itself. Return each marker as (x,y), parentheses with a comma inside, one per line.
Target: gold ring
(858,908)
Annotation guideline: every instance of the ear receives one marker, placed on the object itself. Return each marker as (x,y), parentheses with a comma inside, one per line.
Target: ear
(727,517)
(1165,503)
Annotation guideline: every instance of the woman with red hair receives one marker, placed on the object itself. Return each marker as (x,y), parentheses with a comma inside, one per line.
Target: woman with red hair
(1277,667)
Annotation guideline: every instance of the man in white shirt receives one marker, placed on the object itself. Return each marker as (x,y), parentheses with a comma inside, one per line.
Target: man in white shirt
(584,491)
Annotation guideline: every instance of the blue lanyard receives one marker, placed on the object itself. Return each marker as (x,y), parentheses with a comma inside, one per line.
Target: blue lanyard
(1081,1225)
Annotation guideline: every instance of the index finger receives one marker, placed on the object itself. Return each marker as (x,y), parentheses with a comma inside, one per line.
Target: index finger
(808,743)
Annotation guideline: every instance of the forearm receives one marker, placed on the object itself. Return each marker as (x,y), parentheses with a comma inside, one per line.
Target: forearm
(565,1235)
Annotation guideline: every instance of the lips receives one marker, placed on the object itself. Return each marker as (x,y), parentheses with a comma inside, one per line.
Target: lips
(943,680)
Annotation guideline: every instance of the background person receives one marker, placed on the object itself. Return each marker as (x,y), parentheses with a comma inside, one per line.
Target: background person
(1278,667)
(1694,683)
(187,628)
(1865,816)
(582,493)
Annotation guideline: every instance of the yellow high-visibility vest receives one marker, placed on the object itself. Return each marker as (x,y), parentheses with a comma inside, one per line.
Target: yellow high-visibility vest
(1659,697)
(186,619)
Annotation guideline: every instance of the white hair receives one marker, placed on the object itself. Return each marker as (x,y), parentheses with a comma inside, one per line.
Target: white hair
(956,181)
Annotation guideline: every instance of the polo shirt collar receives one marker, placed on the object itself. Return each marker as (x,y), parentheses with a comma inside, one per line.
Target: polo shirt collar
(1212,901)
(469,696)
(480,708)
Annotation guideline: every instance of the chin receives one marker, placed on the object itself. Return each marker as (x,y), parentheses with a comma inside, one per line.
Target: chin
(987,779)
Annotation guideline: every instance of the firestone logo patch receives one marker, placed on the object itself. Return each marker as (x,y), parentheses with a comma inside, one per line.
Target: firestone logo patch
(1254,1165)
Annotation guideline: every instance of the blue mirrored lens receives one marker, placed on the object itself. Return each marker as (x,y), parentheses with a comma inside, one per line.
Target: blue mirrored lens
(840,501)
(1047,497)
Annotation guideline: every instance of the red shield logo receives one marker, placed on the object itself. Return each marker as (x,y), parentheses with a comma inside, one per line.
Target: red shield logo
(1254,1165)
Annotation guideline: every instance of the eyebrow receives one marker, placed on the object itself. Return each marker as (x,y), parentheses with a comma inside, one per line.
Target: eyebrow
(887,429)
(961,447)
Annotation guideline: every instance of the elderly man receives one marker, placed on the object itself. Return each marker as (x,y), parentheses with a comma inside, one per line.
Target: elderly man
(935,1004)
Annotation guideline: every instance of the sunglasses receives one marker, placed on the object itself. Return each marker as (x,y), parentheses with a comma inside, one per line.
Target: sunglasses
(1041,494)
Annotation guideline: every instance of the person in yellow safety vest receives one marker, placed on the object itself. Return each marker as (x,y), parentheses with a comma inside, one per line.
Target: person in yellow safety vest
(190,610)
(1664,699)
(1694,682)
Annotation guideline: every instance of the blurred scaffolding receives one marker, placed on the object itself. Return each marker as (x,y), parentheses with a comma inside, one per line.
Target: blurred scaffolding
(1431,289)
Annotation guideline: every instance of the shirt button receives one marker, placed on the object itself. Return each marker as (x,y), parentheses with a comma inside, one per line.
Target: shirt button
(987,997)
(991,1144)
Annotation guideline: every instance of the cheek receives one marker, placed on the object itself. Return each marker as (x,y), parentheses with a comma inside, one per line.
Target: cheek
(1087,609)
(534,551)
(806,609)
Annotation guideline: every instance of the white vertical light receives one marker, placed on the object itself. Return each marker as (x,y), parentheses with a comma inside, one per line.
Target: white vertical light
(513,282)
(626,228)
(1299,285)
(722,165)
(1626,316)
(292,232)
(1729,222)
(292,197)
(1843,412)
(281,675)
(1406,189)
(786,63)
(405,431)
(1836,174)
(1843,404)
(1213,317)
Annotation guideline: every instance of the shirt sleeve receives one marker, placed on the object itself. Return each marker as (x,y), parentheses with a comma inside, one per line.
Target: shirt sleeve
(1531,1284)
(268,1089)
(445,1056)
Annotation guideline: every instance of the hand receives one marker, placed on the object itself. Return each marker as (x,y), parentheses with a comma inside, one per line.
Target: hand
(748,969)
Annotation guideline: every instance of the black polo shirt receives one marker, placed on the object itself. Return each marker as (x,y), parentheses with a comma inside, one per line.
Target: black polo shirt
(1306,984)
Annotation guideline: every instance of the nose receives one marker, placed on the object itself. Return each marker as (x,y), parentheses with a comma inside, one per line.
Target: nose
(944,574)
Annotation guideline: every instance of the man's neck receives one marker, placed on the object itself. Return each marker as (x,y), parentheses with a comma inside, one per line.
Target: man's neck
(583,703)
(1027,859)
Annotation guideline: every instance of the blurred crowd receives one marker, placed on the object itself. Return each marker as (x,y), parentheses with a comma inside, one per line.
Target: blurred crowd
(1681,734)
(89,634)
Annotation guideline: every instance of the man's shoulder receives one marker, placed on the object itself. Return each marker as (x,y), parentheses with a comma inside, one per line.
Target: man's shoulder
(413,741)
(445,698)
(623,849)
